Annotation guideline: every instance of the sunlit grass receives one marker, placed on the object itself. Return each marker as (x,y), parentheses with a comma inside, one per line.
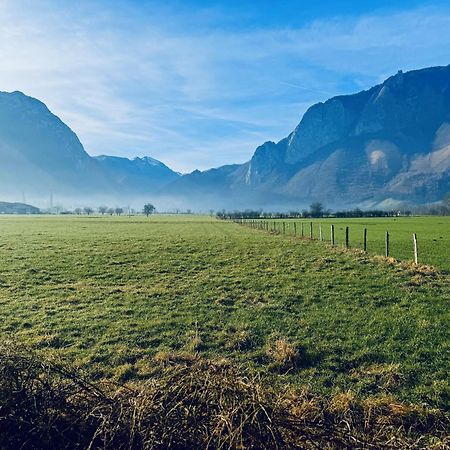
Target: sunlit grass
(111,293)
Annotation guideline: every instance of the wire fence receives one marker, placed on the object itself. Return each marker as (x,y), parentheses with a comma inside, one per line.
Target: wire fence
(339,234)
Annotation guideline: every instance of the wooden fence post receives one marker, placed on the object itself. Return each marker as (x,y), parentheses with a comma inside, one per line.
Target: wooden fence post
(332,234)
(320,232)
(295,228)
(346,237)
(365,240)
(284,228)
(310,230)
(387,244)
(416,250)
(303,234)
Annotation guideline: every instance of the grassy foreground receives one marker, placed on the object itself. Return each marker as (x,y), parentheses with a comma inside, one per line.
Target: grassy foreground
(111,294)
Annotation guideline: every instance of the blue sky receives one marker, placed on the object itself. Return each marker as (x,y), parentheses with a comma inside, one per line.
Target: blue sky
(198,84)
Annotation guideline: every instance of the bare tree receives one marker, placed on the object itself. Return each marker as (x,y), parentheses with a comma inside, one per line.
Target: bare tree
(118,211)
(102,209)
(88,210)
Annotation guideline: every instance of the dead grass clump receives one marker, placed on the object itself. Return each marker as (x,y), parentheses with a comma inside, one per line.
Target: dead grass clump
(383,376)
(283,353)
(195,404)
(166,358)
(385,259)
(421,274)
(423,270)
(418,421)
(343,402)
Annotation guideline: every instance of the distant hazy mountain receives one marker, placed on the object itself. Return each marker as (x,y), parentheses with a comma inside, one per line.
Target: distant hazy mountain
(385,145)
(39,154)
(139,175)
(17,208)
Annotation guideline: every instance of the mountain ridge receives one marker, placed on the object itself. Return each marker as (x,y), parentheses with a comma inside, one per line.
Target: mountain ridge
(40,154)
(355,150)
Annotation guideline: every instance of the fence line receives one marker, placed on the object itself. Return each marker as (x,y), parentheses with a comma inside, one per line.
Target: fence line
(279,227)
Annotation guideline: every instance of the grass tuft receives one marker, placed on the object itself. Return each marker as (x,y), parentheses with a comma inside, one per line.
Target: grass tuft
(284,354)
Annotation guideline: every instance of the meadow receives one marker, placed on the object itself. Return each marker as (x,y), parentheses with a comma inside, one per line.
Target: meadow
(111,294)
(433,235)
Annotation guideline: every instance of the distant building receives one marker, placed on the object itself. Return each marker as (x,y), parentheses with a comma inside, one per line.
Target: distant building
(17,208)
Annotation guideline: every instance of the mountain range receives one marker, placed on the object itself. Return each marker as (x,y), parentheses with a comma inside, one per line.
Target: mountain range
(383,146)
(40,155)
(380,147)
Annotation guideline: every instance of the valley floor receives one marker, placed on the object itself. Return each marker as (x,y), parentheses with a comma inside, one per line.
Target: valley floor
(110,294)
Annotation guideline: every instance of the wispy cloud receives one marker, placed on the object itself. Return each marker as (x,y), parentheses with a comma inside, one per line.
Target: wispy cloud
(135,80)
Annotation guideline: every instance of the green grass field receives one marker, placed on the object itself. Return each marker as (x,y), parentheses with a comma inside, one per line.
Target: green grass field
(433,234)
(108,294)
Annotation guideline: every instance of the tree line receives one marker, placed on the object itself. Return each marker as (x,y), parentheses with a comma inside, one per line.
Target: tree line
(316,210)
(148,209)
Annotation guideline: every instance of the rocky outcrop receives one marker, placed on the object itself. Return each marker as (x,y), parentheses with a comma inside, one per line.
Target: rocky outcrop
(389,142)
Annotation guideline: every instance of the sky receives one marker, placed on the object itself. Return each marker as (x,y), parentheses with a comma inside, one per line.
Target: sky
(199,84)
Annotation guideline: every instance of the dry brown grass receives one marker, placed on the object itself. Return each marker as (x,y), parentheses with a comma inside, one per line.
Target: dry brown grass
(284,354)
(192,403)
(384,376)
